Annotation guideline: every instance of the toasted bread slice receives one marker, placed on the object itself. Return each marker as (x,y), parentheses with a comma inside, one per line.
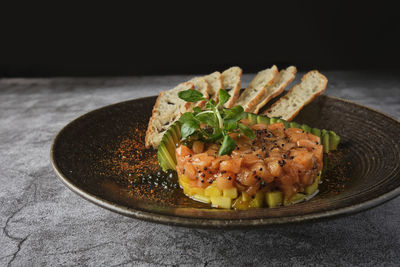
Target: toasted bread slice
(201,85)
(287,107)
(167,109)
(215,81)
(255,91)
(285,77)
(231,82)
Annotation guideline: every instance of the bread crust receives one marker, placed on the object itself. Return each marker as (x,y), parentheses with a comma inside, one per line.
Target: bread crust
(262,92)
(256,89)
(276,93)
(206,94)
(219,79)
(312,98)
(293,115)
(236,91)
(149,126)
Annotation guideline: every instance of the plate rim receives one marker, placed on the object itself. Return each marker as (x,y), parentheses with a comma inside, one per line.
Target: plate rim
(217,223)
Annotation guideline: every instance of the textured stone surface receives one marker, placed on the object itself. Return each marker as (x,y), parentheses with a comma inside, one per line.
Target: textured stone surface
(44,223)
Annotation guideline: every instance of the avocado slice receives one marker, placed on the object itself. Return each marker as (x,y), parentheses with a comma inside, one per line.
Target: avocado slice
(263,120)
(294,125)
(164,158)
(166,151)
(325,140)
(334,140)
(252,118)
(273,120)
(306,128)
(287,125)
(309,190)
(316,132)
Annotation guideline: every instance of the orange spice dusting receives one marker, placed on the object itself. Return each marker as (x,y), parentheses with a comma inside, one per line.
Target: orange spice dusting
(131,155)
(135,168)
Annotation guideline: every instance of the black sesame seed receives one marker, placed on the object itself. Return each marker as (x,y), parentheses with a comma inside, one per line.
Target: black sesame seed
(183,172)
(229,178)
(202,181)
(316,143)
(261,169)
(284,156)
(205,168)
(282,145)
(203,175)
(291,157)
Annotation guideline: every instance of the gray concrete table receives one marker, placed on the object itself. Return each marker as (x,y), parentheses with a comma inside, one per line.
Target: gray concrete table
(44,223)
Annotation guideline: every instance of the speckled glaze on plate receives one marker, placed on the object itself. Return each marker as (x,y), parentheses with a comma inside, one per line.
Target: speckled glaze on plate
(369,148)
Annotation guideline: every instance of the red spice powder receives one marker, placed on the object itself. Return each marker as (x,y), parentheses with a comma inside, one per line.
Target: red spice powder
(132,156)
(132,166)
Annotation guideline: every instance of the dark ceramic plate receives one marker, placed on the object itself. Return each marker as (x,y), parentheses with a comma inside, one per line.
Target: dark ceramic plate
(99,157)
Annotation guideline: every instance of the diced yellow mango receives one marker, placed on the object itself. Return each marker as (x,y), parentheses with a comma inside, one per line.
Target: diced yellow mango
(274,198)
(201,198)
(239,204)
(187,189)
(257,201)
(221,202)
(190,191)
(212,191)
(245,197)
(231,193)
(183,181)
(198,191)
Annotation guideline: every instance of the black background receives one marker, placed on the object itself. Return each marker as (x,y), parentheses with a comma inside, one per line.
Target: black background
(196,37)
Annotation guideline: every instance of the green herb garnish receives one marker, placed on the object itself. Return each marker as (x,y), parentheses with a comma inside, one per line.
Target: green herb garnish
(220,120)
